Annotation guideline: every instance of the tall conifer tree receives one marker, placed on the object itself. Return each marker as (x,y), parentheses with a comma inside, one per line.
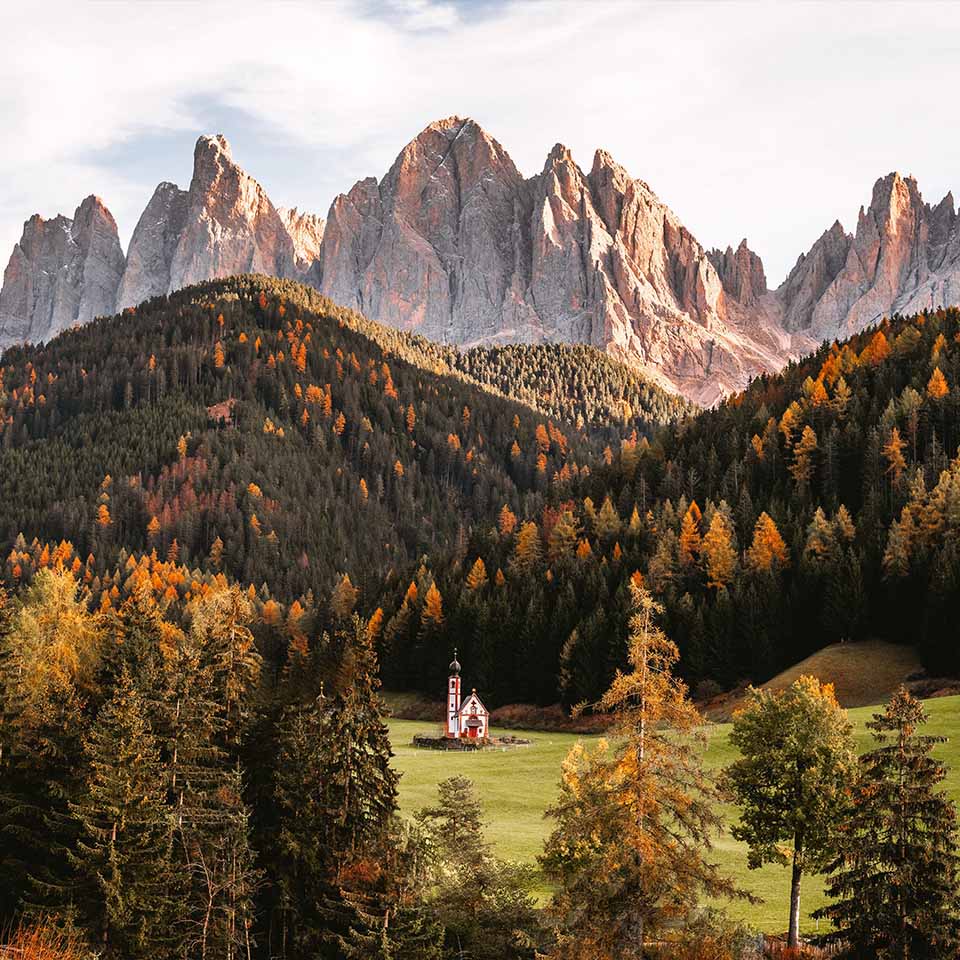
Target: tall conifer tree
(124,850)
(895,877)
(636,817)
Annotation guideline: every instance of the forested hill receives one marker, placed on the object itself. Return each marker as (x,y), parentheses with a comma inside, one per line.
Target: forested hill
(822,504)
(250,425)
(575,383)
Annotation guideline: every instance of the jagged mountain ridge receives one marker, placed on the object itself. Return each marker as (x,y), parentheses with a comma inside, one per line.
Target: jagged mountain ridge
(62,272)
(456,244)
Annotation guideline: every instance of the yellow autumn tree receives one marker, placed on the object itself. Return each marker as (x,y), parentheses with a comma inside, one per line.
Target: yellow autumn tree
(542,438)
(271,613)
(789,423)
(719,552)
(877,350)
(220,623)
(477,577)
(344,598)
(937,387)
(893,452)
(526,551)
(767,548)
(53,645)
(507,521)
(432,613)
(803,452)
(629,856)
(375,625)
(818,395)
(216,554)
(690,542)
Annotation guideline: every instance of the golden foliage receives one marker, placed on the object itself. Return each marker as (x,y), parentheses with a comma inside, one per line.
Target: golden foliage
(767,547)
(937,387)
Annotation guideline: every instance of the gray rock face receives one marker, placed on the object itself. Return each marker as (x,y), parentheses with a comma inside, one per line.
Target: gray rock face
(433,247)
(62,272)
(740,272)
(231,225)
(306,231)
(223,225)
(153,245)
(904,257)
(455,244)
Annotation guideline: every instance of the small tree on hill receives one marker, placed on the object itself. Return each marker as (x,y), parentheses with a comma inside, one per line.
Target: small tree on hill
(791,780)
(895,876)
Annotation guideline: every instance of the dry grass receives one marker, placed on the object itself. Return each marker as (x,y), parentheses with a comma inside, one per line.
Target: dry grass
(863,674)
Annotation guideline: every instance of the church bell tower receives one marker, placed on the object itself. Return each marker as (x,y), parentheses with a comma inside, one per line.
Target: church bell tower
(453,699)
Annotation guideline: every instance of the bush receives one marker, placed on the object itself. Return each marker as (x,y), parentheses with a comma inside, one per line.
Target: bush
(44,941)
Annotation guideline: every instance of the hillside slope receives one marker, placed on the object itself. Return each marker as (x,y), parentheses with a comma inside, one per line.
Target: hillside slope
(821,505)
(250,424)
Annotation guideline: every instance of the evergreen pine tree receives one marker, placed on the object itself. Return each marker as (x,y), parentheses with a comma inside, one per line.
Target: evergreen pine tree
(214,860)
(482,903)
(124,850)
(895,877)
(336,794)
(391,919)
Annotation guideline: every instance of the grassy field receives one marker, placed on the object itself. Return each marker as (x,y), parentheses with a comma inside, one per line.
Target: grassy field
(517,786)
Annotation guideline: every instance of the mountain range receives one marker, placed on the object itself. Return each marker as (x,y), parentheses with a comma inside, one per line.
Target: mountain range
(456,244)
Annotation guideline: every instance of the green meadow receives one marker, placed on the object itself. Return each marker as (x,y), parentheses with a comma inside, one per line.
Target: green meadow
(517,785)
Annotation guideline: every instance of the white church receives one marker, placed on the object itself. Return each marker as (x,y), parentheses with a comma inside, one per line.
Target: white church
(468,719)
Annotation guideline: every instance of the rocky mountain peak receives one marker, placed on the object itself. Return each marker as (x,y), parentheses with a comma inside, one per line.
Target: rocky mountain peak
(741,273)
(306,231)
(559,155)
(208,145)
(62,272)
(453,124)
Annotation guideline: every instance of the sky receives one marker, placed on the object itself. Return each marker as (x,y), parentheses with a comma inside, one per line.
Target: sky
(762,120)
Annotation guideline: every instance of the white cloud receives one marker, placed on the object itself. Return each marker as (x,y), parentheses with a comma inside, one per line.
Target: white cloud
(764,120)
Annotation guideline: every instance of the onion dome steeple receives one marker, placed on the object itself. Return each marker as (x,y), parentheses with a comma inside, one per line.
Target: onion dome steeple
(455,665)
